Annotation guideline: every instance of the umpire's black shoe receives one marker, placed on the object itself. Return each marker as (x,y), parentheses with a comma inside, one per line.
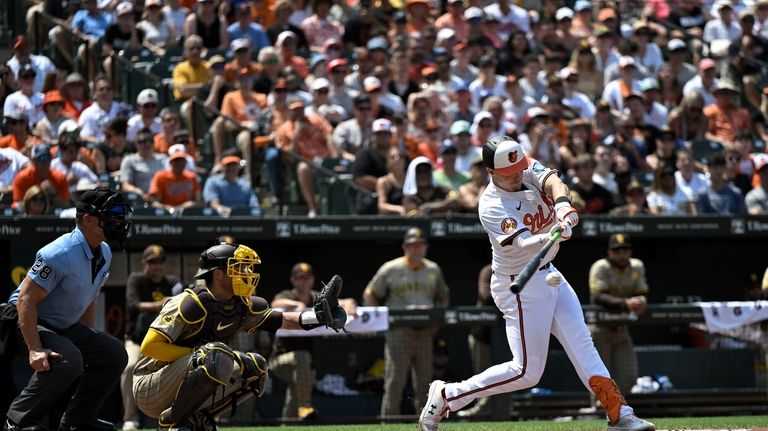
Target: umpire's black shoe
(97,425)
(11,426)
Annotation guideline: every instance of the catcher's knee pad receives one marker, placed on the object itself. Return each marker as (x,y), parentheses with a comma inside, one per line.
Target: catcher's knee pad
(253,370)
(609,395)
(217,360)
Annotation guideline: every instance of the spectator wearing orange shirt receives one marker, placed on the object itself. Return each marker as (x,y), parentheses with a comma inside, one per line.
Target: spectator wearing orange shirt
(454,19)
(308,137)
(286,44)
(18,136)
(725,118)
(39,173)
(175,189)
(242,49)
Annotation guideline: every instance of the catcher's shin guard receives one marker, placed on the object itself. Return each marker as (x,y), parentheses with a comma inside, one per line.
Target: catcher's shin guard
(212,366)
(253,372)
(609,395)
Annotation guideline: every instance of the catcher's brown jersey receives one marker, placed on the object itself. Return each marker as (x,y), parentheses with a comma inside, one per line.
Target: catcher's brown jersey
(195,317)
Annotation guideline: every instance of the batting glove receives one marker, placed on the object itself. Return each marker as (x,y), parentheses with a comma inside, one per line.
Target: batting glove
(565,213)
(565,231)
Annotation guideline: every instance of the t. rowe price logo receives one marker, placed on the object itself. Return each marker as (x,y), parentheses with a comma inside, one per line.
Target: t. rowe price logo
(163,229)
(9,230)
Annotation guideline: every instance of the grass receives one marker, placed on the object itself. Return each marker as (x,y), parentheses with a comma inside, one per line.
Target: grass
(721,422)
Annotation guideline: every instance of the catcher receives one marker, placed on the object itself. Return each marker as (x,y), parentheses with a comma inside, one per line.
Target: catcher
(187,374)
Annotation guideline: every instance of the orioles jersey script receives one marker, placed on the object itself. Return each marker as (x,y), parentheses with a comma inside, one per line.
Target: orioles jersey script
(195,317)
(505,215)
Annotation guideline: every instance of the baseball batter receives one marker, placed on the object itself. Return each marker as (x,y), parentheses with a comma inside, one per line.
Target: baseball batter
(521,208)
(187,373)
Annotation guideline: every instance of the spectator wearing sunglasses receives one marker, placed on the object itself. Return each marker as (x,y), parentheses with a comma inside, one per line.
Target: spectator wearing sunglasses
(39,173)
(36,202)
(137,170)
(26,99)
(18,136)
(147,118)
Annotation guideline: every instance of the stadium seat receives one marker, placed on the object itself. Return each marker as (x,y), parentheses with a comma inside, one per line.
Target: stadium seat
(198,211)
(334,194)
(150,212)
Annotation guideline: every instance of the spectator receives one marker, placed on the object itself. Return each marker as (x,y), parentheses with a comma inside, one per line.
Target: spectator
(469,193)
(408,281)
(137,170)
(270,68)
(587,196)
(181,147)
(678,51)
(670,88)
(36,202)
(453,19)
(574,99)
(371,164)
(692,182)
(39,173)
(648,52)
(123,34)
(175,15)
(389,188)
(733,171)
(191,74)
(723,27)
(401,84)
(309,137)
(67,162)
(47,129)
(22,56)
(539,139)
(227,190)
(242,49)
(286,44)
(291,360)
(147,118)
(757,199)
(460,107)
(704,83)
(145,293)
(466,154)
(421,196)
(18,136)
(448,175)
(487,80)
(617,90)
(108,155)
(245,28)
(208,25)
(26,100)
(174,189)
(320,88)
(212,92)
(159,30)
(724,117)
(634,201)
(667,197)
(320,27)
(720,197)
(90,23)
(617,282)
(604,175)
(75,95)
(60,289)
(666,149)
(94,119)
(283,10)
(688,120)
(12,162)
(169,120)
(8,83)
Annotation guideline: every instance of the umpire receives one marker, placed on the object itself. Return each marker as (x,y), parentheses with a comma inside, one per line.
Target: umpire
(55,304)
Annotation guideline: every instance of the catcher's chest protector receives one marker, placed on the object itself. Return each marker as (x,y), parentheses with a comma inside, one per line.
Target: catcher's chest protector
(218,320)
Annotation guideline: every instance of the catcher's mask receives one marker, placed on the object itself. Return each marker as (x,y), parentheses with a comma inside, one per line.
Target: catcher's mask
(111,209)
(239,262)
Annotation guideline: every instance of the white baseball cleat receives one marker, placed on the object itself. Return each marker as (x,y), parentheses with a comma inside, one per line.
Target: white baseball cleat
(631,423)
(435,409)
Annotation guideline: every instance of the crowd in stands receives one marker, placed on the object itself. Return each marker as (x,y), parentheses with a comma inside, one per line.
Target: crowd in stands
(653,107)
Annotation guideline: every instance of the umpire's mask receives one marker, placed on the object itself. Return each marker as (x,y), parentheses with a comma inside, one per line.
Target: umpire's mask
(111,208)
(240,263)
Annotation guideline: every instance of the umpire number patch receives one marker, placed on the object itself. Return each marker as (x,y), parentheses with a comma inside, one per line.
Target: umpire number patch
(41,269)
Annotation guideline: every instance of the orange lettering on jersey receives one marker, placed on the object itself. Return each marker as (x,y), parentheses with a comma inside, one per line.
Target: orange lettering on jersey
(508,225)
(538,221)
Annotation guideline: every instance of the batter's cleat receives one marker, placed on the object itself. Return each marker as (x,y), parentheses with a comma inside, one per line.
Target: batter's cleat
(307,414)
(11,426)
(631,423)
(130,426)
(436,408)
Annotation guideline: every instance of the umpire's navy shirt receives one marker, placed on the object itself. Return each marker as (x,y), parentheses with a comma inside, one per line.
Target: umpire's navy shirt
(64,269)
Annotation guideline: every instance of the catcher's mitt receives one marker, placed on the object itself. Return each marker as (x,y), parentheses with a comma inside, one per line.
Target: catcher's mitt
(326,306)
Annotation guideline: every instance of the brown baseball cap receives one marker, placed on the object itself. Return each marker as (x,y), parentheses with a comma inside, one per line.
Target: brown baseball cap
(302,268)
(619,240)
(414,235)
(153,252)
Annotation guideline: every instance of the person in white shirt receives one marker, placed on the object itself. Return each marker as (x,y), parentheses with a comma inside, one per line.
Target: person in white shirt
(511,16)
(616,90)
(655,112)
(573,99)
(488,80)
(11,162)
(146,101)
(691,182)
(704,83)
(666,197)
(22,56)
(724,27)
(95,117)
(761,18)
(26,100)
(461,137)
(67,163)
(648,54)
(176,15)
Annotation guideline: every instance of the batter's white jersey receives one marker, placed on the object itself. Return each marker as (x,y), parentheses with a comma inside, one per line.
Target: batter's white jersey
(505,215)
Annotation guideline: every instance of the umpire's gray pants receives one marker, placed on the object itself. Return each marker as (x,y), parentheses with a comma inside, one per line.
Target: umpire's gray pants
(96,358)
(406,349)
(295,370)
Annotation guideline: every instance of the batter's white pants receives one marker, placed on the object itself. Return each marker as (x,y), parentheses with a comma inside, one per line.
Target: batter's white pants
(539,310)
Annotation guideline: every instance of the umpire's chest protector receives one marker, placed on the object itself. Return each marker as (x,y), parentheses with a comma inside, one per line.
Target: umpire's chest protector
(212,319)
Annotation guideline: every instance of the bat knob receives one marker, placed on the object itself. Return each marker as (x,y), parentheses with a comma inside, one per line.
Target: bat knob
(515,288)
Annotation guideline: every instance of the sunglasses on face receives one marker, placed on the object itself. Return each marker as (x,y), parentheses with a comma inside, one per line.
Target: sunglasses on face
(104,89)
(271,61)
(339,71)
(169,120)
(322,91)
(149,105)
(38,199)
(145,141)
(484,125)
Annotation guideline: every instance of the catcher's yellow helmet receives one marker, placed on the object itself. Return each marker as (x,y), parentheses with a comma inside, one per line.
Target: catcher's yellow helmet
(240,263)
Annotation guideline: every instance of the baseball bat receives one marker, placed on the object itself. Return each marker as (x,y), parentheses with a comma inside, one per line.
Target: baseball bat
(531,267)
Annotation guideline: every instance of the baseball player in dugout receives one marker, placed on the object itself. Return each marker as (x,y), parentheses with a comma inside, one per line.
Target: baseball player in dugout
(522,208)
(55,304)
(187,373)
(618,282)
(145,294)
(291,361)
(407,282)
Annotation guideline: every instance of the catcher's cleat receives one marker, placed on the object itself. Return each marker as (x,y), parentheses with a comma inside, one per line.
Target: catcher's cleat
(97,425)
(435,409)
(307,414)
(631,423)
